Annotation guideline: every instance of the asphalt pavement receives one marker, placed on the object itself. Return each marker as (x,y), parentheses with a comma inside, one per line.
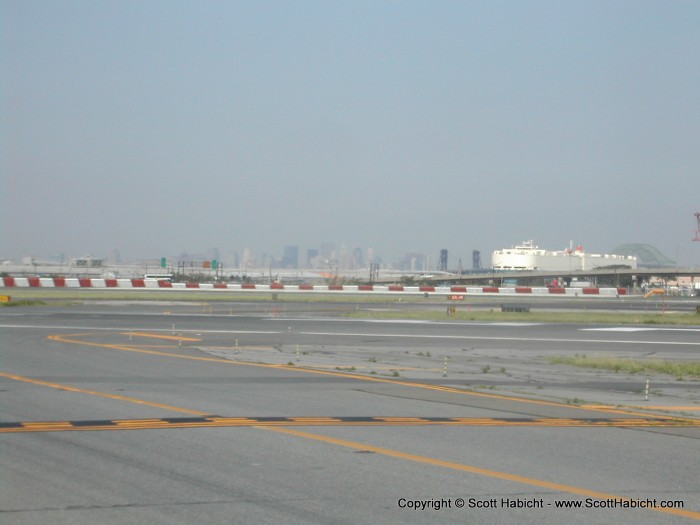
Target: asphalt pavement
(172,413)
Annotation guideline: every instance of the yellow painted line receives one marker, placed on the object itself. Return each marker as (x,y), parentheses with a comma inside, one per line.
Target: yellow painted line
(153,346)
(48,424)
(351,367)
(321,420)
(64,339)
(662,407)
(161,336)
(558,487)
(68,388)
(472,419)
(142,424)
(217,422)
(609,410)
(451,390)
(148,420)
(233,420)
(242,348)
(401,419)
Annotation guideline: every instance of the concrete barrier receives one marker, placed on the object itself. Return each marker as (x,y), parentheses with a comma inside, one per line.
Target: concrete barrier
(394,289)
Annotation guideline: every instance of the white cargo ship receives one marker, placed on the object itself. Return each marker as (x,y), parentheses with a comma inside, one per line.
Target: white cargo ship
(528,256)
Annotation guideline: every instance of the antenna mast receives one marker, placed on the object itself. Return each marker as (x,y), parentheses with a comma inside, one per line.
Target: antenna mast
(697,230)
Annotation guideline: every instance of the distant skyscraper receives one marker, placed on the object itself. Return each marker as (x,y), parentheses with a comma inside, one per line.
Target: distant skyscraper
(231,259)
(248,260)
(357,258)
(413,261)
(344,260)
(290,259)
(311,258)
(328,251)
(213,254)
(443,260)
(476,260)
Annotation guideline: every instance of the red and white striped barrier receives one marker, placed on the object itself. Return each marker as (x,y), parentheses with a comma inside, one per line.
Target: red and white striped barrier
(153,284)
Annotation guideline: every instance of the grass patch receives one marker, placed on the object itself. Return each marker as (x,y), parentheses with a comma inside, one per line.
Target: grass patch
(25,302)
(679,369)
(66,296)
(154,294)
(544,316)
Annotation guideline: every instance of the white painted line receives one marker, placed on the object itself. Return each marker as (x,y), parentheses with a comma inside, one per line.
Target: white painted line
(638,329)
(364,335)
(617,329)
(465,324)
(519,339)
(140,329)
(401,321)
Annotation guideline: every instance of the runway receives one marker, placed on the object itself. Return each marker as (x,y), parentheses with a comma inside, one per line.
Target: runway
(169,413)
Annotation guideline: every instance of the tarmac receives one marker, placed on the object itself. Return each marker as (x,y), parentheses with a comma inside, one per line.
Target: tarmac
(517,372)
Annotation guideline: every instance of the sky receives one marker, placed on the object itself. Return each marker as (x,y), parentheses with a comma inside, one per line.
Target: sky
(161,127)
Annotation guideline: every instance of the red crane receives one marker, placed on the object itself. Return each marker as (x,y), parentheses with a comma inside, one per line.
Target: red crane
(697,230)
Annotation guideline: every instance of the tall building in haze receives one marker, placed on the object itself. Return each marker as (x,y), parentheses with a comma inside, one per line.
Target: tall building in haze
(290,259)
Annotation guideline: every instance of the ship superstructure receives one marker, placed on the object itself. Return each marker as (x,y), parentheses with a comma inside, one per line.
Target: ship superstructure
(528,256)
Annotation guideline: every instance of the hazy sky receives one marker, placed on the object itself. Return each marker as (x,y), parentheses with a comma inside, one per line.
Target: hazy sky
(154,127)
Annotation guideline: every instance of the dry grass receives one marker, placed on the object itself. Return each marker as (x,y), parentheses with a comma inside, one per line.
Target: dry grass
(543,316)
(678,369)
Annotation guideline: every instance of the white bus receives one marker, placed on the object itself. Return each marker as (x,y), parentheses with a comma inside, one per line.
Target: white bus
(159,276)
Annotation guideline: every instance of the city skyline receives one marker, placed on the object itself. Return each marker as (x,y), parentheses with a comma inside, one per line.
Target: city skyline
(160,127)
(325,256)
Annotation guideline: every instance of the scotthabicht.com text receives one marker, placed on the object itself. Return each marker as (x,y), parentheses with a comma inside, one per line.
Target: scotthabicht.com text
(536,503)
